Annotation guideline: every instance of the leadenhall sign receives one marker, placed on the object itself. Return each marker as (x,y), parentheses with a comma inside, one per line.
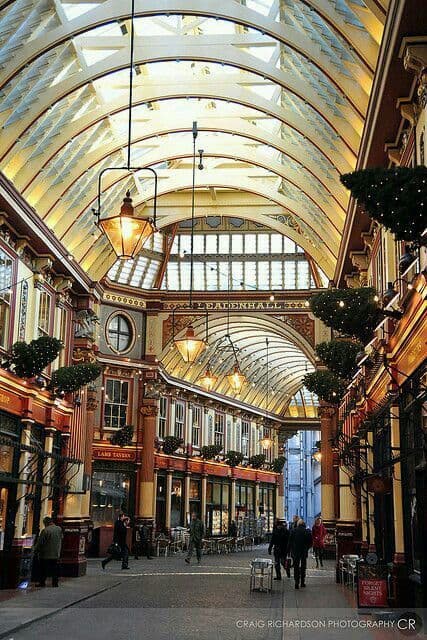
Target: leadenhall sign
(238,306)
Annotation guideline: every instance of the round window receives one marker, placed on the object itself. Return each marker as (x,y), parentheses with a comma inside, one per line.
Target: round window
(119,333)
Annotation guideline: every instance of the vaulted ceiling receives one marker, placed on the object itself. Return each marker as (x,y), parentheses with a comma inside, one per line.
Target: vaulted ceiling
(279,89)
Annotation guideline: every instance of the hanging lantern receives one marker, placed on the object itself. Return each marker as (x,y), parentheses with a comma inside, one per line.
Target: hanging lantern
(317,456)
(266,442)
(236,379)
(208,380)
(126,233)
(189,346)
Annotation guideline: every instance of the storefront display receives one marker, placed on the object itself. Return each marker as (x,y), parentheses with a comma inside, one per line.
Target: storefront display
(217,506)
(110,494)
(177,502)
(195,496)
(267,509)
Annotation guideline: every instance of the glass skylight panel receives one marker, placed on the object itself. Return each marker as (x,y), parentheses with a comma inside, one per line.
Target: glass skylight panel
(199,276)
(199,244)
(211,276)
(276,241)
(236,243)
(223,243)
(290,275)
(250,275)
(288,246)
(223,275)
(276,274)
(263,274)
(303,275)
(211,243)
(263,243)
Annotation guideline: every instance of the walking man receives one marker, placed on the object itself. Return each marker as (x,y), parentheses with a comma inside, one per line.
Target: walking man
(279,545)
(48,549)
(121,527)
(197,530)
(299,543)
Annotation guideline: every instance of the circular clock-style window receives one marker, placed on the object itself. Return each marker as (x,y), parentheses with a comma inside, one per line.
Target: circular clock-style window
(120,333)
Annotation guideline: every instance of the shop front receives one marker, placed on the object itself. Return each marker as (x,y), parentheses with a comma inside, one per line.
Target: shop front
(218,500)
(267,507)
(245,508)
(113,491)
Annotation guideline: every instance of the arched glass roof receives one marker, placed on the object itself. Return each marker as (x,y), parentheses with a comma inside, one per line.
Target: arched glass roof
(279,89)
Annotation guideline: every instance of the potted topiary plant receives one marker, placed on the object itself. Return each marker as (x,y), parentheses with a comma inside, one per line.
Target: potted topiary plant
(233,458)
(123,437)
(210,451)
(171,444)
(257,461)
(278,464)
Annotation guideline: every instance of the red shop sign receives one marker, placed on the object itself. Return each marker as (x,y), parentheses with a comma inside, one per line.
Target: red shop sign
(372,586)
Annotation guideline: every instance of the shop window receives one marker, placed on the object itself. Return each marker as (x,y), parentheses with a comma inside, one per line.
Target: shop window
(163,416)
(219,429)
(116,403)
(195,430)
(179,419)
(6,266)
(119,333)
(43,321)
(176,502)
(217,508)
(245,438)
(194,497)
(110,496)
(63,336)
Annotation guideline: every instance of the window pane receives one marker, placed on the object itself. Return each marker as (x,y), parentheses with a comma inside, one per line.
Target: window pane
(237,243)
(250,243)
(276,243)
(223,243)
(211,243)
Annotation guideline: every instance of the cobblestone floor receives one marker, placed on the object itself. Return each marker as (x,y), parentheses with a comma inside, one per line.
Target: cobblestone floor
(164,598)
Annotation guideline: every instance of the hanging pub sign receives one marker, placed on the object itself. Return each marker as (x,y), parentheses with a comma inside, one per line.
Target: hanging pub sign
(371,585)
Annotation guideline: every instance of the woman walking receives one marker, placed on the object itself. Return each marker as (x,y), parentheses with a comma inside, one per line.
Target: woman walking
(318,533)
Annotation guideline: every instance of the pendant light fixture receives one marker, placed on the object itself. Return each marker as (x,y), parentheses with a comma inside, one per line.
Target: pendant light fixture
(266,442)
(236,379)
(208,380)
(190,347)
(126,232)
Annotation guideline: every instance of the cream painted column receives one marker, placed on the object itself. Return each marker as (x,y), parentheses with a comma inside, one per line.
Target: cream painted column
(47,475)
(233,500)
(280,502)
(188,424)
(257,499)
(168,498)
(170,425)
(203,505)
(24,460)
(187,514)
(399,544)
(327,414)
(347,499)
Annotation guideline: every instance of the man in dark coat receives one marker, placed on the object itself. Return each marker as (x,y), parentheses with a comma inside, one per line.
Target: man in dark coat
(197,530)
(143,542)
(279,545)
(299,543)
(48,550)
(119,537)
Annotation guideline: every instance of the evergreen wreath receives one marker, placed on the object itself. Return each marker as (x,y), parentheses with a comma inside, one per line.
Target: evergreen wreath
(339,356)
(396,198)
(71,379)
(210,451)
(171,444)
(352,312)
(257,461)
(278,464)
(123,437)
(233,458)
(29,360)
(326,385)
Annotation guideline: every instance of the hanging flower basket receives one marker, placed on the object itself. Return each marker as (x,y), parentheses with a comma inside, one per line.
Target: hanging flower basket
(326,385)
(340,356)
(29,360)
(210,451)
(278,464)
(71,379)
(396,198)
(257,461)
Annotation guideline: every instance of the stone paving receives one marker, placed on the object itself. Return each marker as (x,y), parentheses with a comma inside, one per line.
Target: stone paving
(165,598)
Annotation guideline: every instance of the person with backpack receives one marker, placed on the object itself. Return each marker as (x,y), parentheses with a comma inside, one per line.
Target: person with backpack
(299,543)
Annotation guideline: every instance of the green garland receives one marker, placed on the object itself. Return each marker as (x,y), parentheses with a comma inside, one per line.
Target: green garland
(396,198)
(233,458)
(171,444)
(326,385)
(123,437)
(352,312)
(29,360)
(71,379)
(257,461)
(339,356)
(210,451)
(278,464)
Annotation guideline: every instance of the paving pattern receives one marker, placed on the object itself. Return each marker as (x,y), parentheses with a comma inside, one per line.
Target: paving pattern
(165,599)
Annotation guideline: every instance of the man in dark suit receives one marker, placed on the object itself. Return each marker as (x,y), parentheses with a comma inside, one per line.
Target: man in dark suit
(299,543)
(121,527)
